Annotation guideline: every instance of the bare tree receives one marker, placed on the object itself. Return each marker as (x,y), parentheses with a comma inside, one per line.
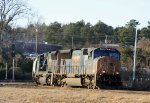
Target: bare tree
(36,27)
(11,10)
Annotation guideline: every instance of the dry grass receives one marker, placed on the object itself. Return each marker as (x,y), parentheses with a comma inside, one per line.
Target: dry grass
(70,95)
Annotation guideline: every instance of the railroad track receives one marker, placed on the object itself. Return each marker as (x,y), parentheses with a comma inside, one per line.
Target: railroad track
(26,85)
(17,84)
(33,85)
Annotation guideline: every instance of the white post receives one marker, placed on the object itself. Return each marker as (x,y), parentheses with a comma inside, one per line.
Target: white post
(134,65)
(106,41)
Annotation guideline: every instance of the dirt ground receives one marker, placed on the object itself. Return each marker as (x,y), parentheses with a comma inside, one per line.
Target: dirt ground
(70,95)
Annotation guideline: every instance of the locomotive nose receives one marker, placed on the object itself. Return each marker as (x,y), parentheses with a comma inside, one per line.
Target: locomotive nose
(107,65)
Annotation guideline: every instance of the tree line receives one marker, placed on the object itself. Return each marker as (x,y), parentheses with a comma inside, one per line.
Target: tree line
(72,35)
(83,34)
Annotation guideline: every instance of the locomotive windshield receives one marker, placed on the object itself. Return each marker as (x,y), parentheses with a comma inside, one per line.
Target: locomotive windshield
(106,52)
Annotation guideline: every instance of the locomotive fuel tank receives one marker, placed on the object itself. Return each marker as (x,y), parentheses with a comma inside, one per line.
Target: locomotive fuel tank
(73,81)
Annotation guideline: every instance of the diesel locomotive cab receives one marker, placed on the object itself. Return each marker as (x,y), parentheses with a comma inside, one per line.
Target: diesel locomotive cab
(39,70)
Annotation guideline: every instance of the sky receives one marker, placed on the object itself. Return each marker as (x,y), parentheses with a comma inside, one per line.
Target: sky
(112,12)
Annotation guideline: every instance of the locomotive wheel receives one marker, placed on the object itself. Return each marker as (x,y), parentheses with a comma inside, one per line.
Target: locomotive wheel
(88,86)
(97,87)
(48,80)
(37,81)
(93,86)
(65,85)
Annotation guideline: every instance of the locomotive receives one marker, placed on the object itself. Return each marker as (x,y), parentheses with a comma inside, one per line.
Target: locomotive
(86,67)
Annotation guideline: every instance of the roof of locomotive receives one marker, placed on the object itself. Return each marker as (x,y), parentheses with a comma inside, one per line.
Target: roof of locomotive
(107,49)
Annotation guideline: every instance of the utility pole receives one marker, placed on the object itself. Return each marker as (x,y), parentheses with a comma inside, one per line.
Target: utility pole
(13,76)
(3,24)
(36,41)
(2,35)
(6,72)
(135,43)
(106,40)
(13,56)
(72,43)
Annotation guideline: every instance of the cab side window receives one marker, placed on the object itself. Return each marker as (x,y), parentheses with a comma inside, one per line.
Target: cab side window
(90,55)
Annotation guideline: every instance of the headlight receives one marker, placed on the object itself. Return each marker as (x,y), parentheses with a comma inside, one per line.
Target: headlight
(117,72)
